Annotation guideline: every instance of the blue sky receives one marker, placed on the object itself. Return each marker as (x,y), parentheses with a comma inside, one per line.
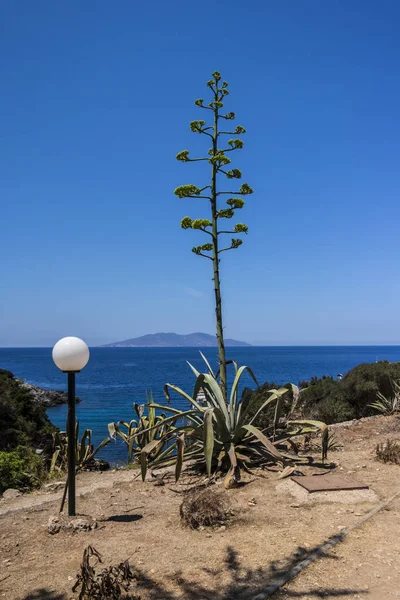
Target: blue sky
(96,98)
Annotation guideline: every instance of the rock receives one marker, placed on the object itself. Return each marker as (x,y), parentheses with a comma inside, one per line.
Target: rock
(222,528)
(45,398)
(82,525)
(11,494)
(53,525)
(54,486)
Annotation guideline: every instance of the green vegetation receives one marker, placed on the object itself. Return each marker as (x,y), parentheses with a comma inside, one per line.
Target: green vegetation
(213,225)
(85,452)
(363,391)
(20,469)
(149,432)
(22,421)
(388,405)
(24,427)
(220,435)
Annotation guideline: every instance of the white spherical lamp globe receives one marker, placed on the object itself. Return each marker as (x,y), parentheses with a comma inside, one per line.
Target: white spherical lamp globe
(70,354)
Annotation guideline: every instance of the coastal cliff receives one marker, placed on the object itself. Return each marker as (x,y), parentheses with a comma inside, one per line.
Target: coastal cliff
(43,397)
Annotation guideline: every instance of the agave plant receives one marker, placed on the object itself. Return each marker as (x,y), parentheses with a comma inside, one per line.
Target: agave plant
(222,435)
(150,431)
(84,449)
(385,405)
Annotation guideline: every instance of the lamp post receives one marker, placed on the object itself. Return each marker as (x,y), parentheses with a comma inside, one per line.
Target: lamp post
(71,354)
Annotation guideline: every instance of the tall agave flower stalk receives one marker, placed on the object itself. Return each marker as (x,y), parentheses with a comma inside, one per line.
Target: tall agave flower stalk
(220,210)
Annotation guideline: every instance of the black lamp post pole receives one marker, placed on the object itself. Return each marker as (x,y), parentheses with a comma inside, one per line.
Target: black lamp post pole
(71,444)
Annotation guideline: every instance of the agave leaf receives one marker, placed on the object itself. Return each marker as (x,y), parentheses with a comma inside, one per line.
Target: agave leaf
(181,393)
(296,398)
(152,412)
(54,460)
(211,372)
(195,371)
(286,472)
(222,426)
(277,414)
(139,409)
(130,448)
(265,441)
(275,394)
(180,448)
(236,381)
(99,447)
(87,435)
(208,439)
(316,425)
(112,430)
(233,400)
(243,458)
(144,453)
(233,475)
(214,394)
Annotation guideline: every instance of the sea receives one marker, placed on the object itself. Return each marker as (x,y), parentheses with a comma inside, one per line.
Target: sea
(115,378)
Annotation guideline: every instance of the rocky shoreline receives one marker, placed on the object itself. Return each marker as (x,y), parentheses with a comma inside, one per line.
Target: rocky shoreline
(45,398)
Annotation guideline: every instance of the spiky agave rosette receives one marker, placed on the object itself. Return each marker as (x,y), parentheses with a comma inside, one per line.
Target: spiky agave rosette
(221,435)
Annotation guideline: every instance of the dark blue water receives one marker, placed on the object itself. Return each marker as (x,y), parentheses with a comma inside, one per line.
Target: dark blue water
(116,377)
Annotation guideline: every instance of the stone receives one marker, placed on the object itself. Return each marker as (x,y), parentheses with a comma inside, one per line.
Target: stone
(11,494)
(53,525)
(82,525)
(54,486)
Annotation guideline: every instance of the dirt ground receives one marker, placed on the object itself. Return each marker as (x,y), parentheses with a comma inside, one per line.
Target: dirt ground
(269,533)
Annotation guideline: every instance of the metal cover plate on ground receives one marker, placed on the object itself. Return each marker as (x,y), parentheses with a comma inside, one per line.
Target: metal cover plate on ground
(328,483)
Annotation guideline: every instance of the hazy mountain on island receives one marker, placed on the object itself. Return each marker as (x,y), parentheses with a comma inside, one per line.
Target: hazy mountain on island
(173,340)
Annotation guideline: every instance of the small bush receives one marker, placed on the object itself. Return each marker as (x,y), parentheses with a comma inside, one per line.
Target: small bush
(203,508)
(20,469)
(333,410)
(389,452)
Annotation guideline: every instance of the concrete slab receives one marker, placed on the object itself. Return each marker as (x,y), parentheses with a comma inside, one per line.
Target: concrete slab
(302,496)
(328,483)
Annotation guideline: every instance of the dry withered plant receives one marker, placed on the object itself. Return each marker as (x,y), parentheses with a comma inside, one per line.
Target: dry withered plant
(204,508)
(388,452)
(111,583)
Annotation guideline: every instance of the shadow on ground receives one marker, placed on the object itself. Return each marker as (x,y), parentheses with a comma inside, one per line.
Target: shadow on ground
(235,581)
(124,518)
(45,594)
(230,581)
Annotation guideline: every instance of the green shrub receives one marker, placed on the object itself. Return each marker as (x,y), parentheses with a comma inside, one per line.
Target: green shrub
(362,384)
(317,390)
(20,469)
(334,401)
(332,410)
(22,421)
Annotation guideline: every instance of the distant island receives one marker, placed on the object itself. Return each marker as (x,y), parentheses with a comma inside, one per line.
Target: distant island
(173,340)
